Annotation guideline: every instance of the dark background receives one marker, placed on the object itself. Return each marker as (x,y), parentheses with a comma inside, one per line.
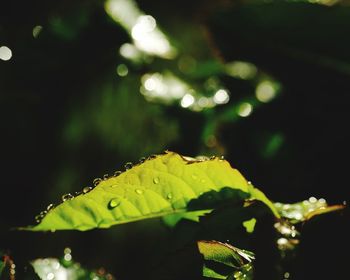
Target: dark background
(67,117)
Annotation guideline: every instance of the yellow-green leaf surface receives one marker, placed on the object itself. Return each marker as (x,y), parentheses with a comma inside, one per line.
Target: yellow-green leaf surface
(165,184)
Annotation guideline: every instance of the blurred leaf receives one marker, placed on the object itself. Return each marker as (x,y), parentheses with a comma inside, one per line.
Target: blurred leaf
(105,117)
(285,29)
(163,185)
(2,265)
(223,253)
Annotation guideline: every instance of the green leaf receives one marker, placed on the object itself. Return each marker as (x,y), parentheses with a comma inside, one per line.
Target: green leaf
(210,273)
(162,185)
(305,210)
(236,261)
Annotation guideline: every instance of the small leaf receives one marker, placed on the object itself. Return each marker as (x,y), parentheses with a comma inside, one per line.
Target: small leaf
(210,273)
(163,185)
(215,253)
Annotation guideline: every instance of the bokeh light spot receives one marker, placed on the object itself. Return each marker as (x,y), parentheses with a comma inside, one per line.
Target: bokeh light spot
(265,91)
(5,53)
(122,70)
(245,109)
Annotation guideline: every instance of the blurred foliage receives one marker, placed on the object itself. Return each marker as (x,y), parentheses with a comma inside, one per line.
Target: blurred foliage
(264,83)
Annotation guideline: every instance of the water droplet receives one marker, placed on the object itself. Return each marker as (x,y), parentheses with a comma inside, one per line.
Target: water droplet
(212,157)
(128,165)
(155,180)
(50,207)
(139,191)
(237,274)
(313,199)
(322,201)
(38,218)
(142,160)
(194,176)
(286,275)
(50,276)
(117,173)
(86,189)
(249,182)
(222,158)
(114,202)
(67,196)
(67,250)
(169,196)
(105,177)
(152,157)
(96,181)
(202,181)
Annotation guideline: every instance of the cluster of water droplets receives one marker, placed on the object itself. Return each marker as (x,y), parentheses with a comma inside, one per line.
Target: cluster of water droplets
(65,268)
(288,236)
(244,273)
(298,212)
(201,158)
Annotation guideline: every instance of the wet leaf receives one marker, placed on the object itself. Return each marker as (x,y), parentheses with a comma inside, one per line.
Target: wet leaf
(237,262)
(305,210)
(162,185)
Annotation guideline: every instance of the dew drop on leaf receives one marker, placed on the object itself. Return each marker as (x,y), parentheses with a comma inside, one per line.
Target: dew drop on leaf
(105,177)
(142,160)
(156,180)
(138,191)
(128,165)
(169,196)
(50,207)
(67,196)
(86,189)
(194,176)
(114,202)
(96,181)
(237,274)
(117,173)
